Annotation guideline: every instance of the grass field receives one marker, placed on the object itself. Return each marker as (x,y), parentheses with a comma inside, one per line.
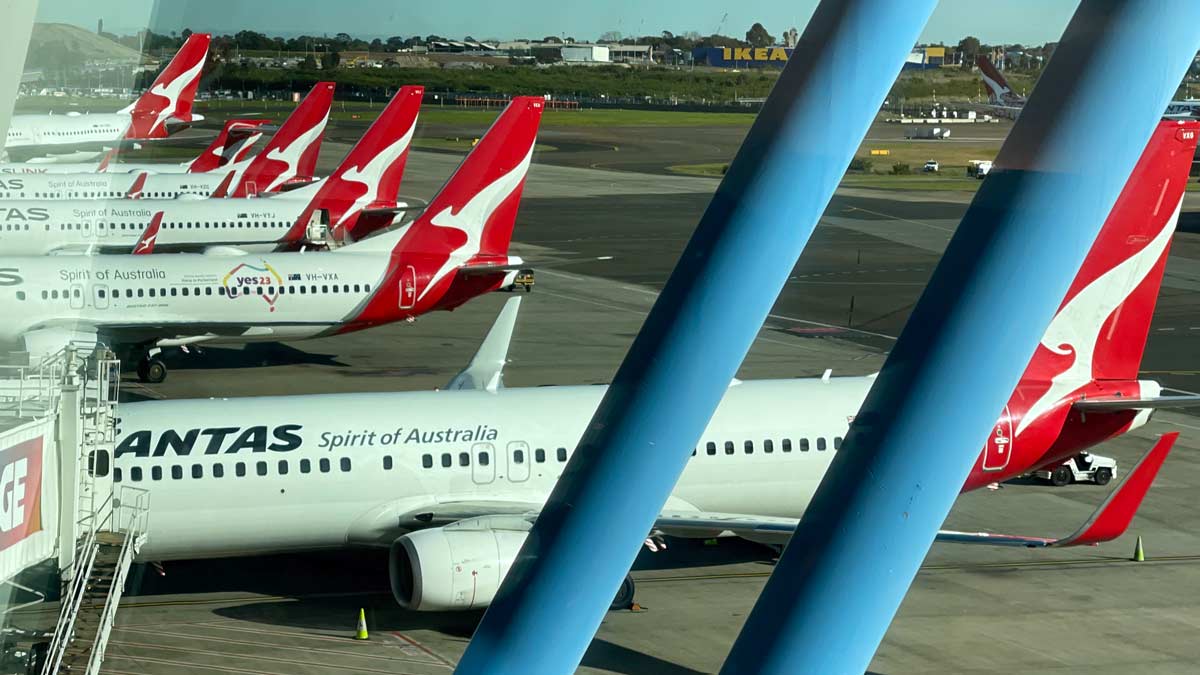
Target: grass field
(953,157)
(347,111)
(462,144)
(367,111)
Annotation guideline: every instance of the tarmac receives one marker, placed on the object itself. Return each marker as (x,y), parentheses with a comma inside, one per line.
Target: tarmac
(970,610)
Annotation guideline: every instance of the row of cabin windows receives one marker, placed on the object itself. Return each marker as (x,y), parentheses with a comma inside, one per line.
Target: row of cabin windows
(447,459)
(11,227)
(83,132)
(483,457)
(188,225)
(768,446)
(192,291)
(141,227)
(240,469)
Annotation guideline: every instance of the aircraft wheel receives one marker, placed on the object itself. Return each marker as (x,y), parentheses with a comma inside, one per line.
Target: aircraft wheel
(152,371)
(1103,476)
(624,599)
(1061,476)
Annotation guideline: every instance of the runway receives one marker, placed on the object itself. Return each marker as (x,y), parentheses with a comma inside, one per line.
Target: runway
(971,610)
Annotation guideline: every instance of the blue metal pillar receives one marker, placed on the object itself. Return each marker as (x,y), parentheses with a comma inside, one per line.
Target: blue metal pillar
(695,338)
(1004,274)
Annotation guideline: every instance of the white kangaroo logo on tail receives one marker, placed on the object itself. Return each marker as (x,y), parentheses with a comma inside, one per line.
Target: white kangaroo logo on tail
(1076,327)
(471,218)
(370,174)
(291,154)
(170,91)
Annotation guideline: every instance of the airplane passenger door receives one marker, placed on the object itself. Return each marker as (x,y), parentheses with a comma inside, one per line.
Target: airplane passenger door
(518,461)
(483,463)
(100,296)
(76,296)
(408,287)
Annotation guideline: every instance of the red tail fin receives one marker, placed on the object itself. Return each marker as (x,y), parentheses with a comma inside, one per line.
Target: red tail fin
(292,153)
(236,139)
(470,221)
(1100,330)
(369,178)
(475,211)
(997,86)
(145,244)
(171,96)
(1093,345)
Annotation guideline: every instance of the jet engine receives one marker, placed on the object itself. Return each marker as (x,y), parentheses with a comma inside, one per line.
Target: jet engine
(457,567)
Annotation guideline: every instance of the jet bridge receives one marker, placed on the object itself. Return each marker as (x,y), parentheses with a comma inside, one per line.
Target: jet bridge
(57,433)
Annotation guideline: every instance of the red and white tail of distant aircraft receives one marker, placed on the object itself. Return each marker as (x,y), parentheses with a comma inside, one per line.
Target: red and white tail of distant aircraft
(164,109)
(1000,95)
(289,159)
(455,250)
(451,481)
(234,143)
(288,221)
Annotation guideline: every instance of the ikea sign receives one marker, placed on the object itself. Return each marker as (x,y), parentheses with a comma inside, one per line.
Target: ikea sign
(744,57)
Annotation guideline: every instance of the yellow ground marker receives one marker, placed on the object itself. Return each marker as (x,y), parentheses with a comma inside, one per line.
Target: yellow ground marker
(1139,555)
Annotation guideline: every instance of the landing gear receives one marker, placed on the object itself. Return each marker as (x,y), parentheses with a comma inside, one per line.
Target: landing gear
(151,370)
(624,599)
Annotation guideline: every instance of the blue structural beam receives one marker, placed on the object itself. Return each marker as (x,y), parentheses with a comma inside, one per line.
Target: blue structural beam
(843,575)
(695,338)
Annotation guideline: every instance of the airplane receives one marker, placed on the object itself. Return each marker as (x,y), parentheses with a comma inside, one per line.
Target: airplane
(289,159)
(455,250)
(164,109)
(233,144)
(361,191)
(451,480)
(1000,94)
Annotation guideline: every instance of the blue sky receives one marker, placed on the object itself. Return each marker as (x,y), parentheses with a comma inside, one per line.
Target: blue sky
(1005,21)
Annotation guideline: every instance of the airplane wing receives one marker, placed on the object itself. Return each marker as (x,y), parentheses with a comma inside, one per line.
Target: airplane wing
(1119,404)
(1109,521)
(486,369)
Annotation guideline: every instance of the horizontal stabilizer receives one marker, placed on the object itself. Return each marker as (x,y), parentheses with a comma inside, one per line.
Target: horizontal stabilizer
(486,370)
(1107,523)
(489,268)
(1118,404)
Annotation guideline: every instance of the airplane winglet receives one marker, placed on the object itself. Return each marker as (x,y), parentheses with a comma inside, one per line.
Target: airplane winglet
(139,184)
(486,370)
(145,244)
(222,189)
(1108,522)
(1114,515)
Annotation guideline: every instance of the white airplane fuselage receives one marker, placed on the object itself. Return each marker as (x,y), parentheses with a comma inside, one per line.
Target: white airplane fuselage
(281,296)
(43,227)
(335,470)
(68,129)
(109,185)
